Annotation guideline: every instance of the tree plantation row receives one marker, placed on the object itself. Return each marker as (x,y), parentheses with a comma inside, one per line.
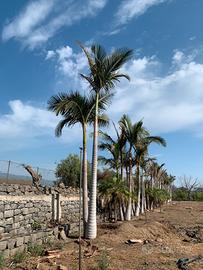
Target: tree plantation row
(137,183)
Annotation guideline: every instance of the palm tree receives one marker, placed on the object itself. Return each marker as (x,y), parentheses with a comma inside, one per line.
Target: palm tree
(142,146)
(76,108)
(114,192)
(103,75)
(132,133)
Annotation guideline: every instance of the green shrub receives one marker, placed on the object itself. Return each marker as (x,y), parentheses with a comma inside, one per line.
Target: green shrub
(103,263)
(19,257)
(2,261)
(36,225)
(36,249)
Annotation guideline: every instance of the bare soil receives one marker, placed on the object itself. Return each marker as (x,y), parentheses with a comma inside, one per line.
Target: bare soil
(176,232)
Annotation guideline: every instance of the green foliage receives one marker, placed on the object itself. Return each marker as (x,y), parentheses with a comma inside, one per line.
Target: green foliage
(2,261)
(19,257)
(159,196)
(103,262)
(180,194)
(36,225)
(36,249)
(68,170)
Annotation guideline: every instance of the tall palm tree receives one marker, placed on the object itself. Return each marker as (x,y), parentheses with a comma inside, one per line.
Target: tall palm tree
(104,73)
(76,108)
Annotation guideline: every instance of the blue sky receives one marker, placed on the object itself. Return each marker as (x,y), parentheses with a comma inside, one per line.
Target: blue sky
(39,57)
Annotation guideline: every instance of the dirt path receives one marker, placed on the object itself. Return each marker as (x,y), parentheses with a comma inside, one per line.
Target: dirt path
(176,232)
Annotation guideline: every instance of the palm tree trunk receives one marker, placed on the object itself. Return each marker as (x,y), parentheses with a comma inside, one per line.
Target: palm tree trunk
(84,178)
(129,206)
(92,217)
(143,194)
(121,158)
(139,191)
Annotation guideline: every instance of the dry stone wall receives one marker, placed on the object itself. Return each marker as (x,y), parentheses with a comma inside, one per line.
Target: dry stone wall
(29,214)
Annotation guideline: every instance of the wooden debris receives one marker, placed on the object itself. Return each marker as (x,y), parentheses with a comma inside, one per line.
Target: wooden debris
(183,263)
(134,241)
(62,267)
(50,254)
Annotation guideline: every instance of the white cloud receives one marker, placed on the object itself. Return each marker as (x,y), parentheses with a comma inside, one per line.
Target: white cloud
(129,9)
(50,55)
(28,126)
(41,19)
(167,103)
(34,14)
(69,64)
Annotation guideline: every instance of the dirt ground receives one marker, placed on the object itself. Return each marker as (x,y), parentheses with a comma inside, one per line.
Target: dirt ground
(176,232)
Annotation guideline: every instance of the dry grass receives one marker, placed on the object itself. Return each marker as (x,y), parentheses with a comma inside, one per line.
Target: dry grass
(165,241)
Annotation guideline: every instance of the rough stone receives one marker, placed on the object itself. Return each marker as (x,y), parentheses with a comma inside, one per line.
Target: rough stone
(8,214)
(11,243)
(3,245)
(19,241)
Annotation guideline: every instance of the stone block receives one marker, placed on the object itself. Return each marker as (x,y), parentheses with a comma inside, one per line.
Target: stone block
(29,205)
(17,211)
(25,211)
(19,241)
(9,221)
(14,206)
(27,239)
(8,214)
(3,245)
(18,218)
(11,243)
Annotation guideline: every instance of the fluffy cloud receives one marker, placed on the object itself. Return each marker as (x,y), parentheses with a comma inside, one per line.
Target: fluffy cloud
(129,9)
(28,125)
(41,19)
(167,103)
(69,64)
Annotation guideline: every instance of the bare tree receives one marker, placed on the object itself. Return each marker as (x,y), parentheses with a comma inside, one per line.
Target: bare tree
(189,184)
(36,177)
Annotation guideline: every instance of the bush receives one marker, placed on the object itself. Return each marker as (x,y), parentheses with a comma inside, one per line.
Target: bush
(36,225)
(36,249)
(19,257)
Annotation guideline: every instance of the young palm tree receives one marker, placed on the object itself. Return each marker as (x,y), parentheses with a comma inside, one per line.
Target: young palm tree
(142,146)
(114,192)
(76,108)
(104,73)
(132,133)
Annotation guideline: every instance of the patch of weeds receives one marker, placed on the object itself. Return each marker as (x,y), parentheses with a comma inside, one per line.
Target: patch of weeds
(2,261)
(58,245)
(36,225)
(47,242)
(19,257)
(35,249)
(103,262)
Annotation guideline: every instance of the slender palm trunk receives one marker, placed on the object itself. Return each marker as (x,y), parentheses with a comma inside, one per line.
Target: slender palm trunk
(129,206)
(137,213)
(121,158)
(84,182)
(143,194)
(92,216)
